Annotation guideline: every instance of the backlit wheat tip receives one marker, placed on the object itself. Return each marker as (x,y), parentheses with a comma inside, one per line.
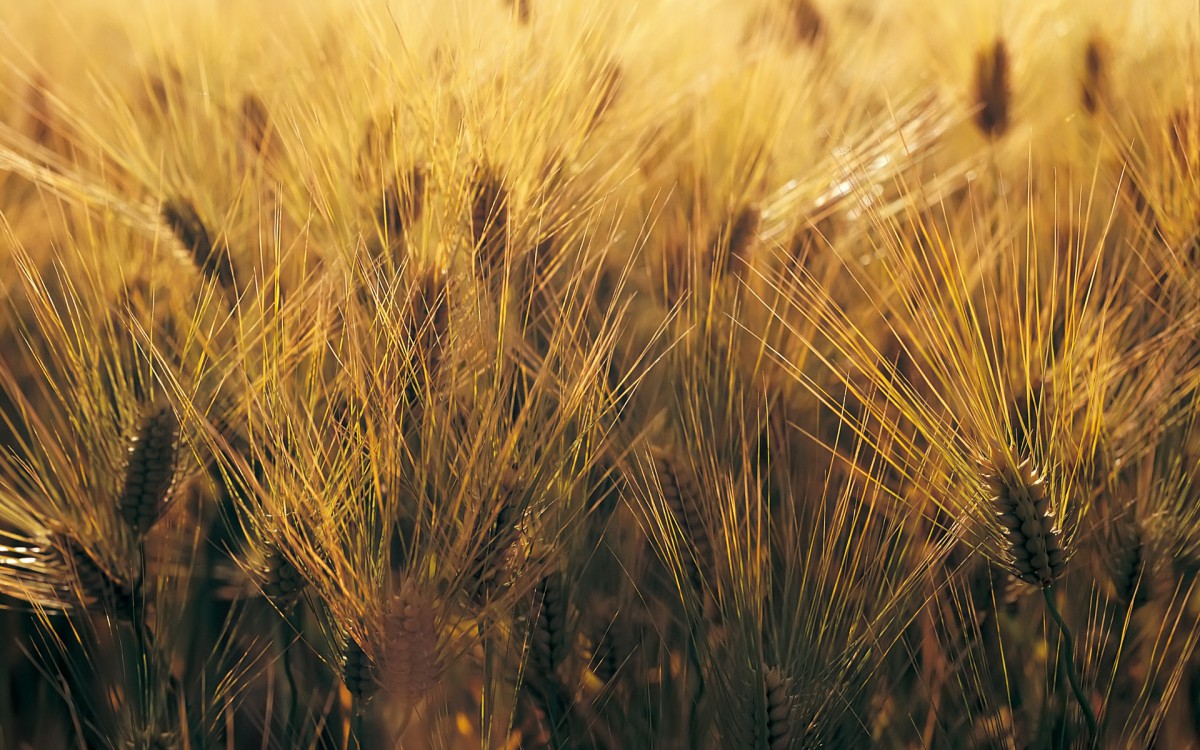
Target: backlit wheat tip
(1022,508)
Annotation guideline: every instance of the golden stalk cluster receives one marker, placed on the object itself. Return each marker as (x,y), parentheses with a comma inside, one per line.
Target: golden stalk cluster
(515,373)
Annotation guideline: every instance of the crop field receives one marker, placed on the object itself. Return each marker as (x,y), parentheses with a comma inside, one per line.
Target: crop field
(643,374)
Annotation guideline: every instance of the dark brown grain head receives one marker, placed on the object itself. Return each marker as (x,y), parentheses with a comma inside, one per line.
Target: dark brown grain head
(1021,503)
(214,262)
(807,23)
(257,129)
(809,242)
(1094,88)
(731,248)
(402,205)
(375,153)
(150,470)
(358,672)
(485,577)
(95,587)
(1130,564)
(677,271)
(429,318)
(548,642)
(410,664)
(778,731)
(281,581)
(612,645)
(489,223)
(682,497)
(165,90)
(521,9)
(993,89)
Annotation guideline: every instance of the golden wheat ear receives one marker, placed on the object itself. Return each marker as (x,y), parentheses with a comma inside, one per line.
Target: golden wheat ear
(410,663)
(1022,507)
(485,576)
(428,322)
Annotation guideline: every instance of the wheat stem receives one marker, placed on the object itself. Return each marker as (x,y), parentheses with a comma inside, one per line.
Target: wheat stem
(286,629)
(694,658)
(356,724)
(1069,651)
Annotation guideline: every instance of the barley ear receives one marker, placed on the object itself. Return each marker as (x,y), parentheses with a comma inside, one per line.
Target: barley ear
(150,470)
(993,92)
(549,640)
(410,664)
(778,732)
(213,262)
(1022,508)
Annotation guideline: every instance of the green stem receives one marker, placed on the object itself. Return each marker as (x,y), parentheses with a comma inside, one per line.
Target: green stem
(1069,651)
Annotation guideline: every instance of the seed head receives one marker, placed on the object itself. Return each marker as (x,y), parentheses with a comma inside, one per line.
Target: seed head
(780,710)
(97,589)
(485,576)
(1023,510)
(1130,566)
(281,579)
(257,129)
(1094,89)
(807,24)
(150,470)
(429,318)
(402,205)
(993,94)
(613,645)
(410,663)
(489,223)
(183,219)
(729,250)
(358,672)
(681,495)
(549,638)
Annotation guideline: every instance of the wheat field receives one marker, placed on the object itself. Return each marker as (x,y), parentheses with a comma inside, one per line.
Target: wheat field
(650,374)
